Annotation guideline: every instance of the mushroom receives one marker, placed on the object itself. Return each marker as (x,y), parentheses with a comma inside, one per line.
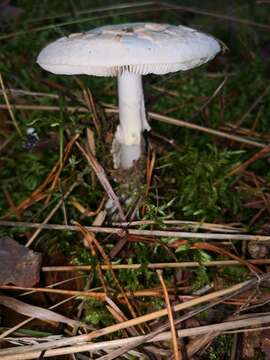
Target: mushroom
(129,51)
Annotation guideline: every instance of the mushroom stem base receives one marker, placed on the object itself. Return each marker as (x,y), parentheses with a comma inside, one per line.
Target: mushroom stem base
(127,142)
(125,155)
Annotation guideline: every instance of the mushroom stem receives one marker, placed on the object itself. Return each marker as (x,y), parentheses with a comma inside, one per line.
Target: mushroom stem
(127,141)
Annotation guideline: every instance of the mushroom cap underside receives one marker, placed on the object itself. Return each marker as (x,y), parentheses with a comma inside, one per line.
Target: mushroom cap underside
(140,48)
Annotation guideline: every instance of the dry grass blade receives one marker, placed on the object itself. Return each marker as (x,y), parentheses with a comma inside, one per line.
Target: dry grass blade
(189,125)
(241,287)
(79,21)
(50,215)
(248,162)
(50,180)
(9,106)
(91,294)
(91,145)
(108,263)
(102,178)
(147,338)
(253,106)
(27,321)
(6,142)
(90,104)
(119,316)
(211,98)
(181,123)
(20,92)
(186,224)
(200,342)
(176,351)
(36,311)
(149,172)
(165,336)
(172,265)
(148,233)
(36,107)
(97,9)
(215,15)
(152,115)
(223,252)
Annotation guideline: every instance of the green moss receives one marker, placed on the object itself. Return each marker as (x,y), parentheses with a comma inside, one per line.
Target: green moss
(191,183)
(198,181)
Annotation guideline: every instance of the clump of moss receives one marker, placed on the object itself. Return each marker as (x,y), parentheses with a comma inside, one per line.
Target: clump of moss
(198,181)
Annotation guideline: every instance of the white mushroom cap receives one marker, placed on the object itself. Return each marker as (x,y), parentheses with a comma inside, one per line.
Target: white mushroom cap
(140,48)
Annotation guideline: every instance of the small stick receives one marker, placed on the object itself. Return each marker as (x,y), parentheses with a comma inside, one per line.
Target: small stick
(186,223)
(120,231)
(189,125)
(90,294)
(176,265)
(181,123)
(37,107)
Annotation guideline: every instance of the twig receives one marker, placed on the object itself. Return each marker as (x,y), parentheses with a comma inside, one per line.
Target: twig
(120,231)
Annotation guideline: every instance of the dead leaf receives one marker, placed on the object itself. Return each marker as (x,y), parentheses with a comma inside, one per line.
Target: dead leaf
(36,311)
(18,265)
